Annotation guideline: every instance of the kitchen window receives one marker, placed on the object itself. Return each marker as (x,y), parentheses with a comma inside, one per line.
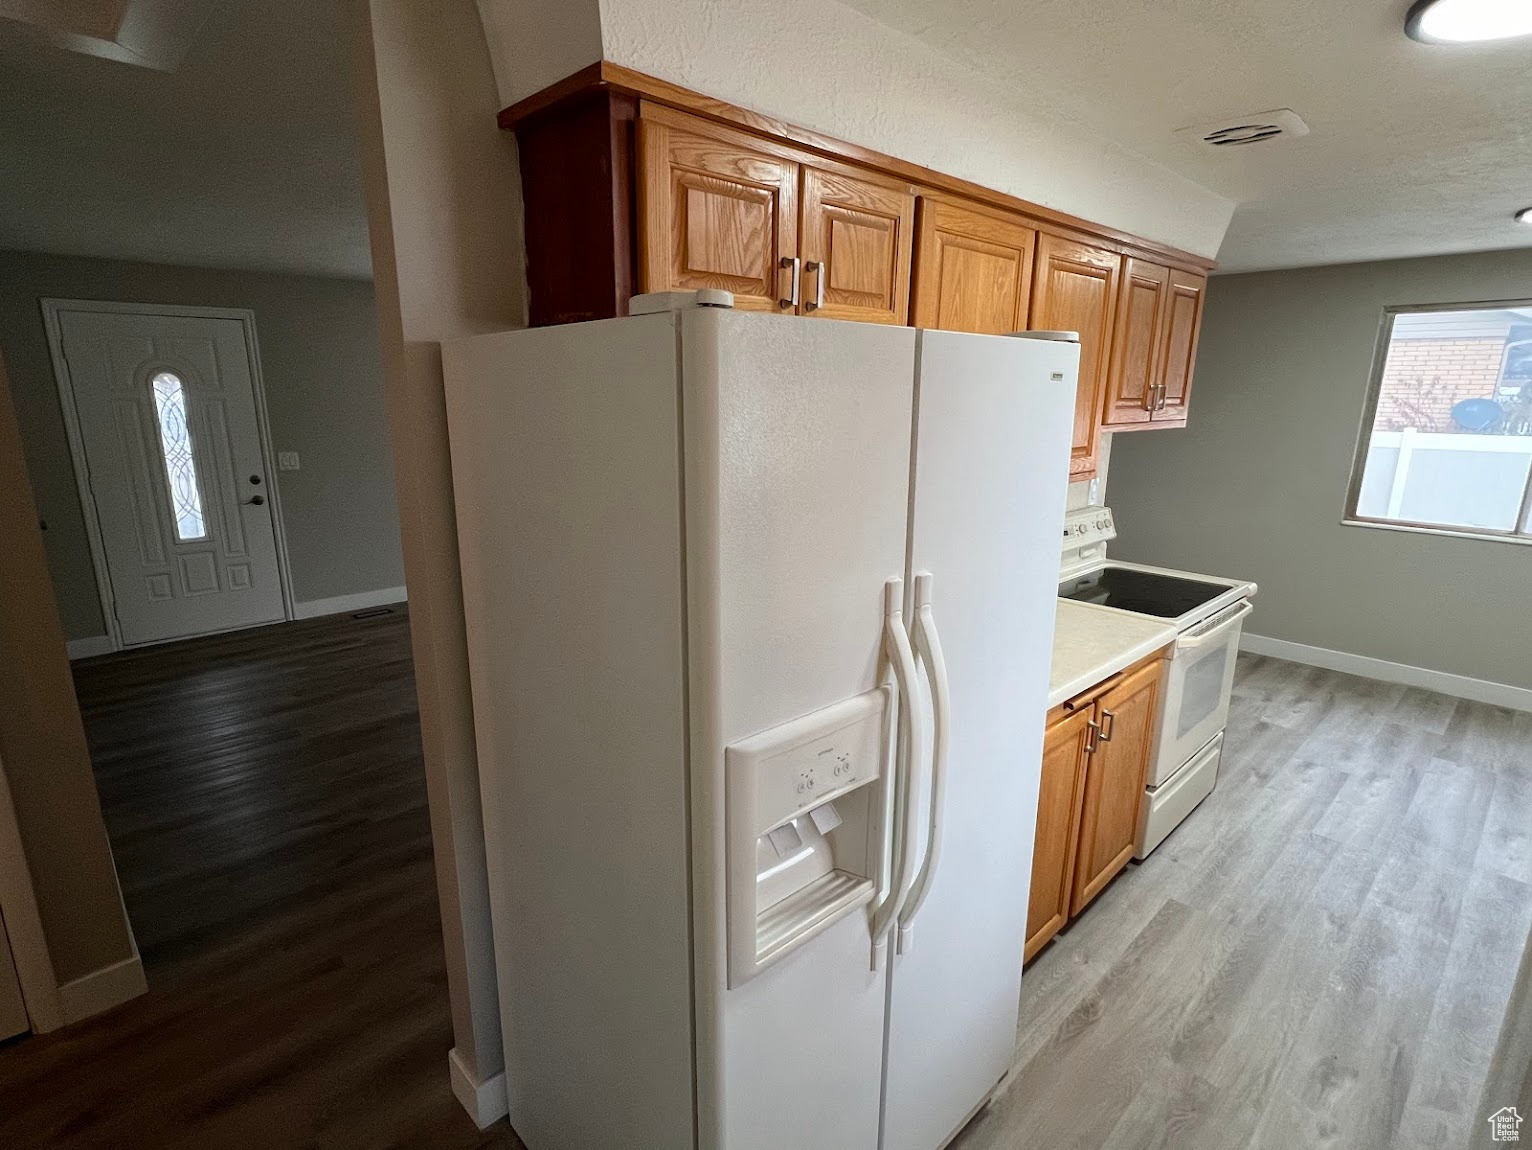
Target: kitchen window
(1446,444)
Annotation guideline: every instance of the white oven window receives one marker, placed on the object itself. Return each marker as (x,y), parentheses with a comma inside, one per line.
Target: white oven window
(1202,689)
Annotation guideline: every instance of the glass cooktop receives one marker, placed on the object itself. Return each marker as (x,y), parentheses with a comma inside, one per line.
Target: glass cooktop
(1147,592)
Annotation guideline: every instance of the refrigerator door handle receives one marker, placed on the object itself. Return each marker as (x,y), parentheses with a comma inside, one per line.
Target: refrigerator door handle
(928,649)
(902,855)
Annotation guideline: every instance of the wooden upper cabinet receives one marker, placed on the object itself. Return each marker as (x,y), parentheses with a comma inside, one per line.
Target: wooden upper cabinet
(1114,782)
(855,243)
(1159,311)
(1183,323)
(973,269)
(1137,342)
(1074,288)
(717,209)
(1065,751)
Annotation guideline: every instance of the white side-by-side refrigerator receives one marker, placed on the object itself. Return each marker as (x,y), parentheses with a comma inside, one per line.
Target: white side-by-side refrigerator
(759,613)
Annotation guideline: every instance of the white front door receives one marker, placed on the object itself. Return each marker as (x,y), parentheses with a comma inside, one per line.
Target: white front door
(166,417)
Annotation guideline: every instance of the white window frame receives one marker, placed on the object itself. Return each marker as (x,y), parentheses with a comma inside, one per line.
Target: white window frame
(1521,533)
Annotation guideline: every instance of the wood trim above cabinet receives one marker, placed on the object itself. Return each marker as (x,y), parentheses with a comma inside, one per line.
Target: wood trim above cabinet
(617,78)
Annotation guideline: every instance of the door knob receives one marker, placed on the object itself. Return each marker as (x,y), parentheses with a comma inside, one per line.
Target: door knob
(255,501)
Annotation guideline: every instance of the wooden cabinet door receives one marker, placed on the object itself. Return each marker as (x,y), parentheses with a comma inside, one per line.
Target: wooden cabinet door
(973,269)
(1074,288)
(855,240)
(1183,323)
(1132,382)
(1058,827)
(718,209)
(1114,782)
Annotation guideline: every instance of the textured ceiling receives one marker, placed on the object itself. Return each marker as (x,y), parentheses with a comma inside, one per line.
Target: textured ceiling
(1413,149)
(247,156)
(244,157)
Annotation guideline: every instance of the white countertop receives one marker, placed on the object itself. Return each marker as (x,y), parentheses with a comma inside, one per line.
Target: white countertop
(1092,642)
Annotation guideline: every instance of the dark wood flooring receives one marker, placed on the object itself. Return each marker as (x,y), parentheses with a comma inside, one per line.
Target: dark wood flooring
(266,803)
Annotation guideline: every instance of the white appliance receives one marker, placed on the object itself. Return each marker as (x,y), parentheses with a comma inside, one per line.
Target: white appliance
(1208,613)
(760,613)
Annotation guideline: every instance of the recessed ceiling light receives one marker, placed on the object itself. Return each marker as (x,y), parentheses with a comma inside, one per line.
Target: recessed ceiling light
(1524,216)
(1467,21)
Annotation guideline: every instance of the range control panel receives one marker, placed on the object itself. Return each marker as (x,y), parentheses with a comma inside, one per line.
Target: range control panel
(810,760)
(1088,526)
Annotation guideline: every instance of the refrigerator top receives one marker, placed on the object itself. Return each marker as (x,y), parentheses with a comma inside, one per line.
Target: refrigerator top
(1052,336)
(653,302)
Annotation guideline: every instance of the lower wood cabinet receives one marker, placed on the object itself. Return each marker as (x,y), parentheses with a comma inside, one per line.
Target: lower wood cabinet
(1065,753)
(1095,759)
(1114,782)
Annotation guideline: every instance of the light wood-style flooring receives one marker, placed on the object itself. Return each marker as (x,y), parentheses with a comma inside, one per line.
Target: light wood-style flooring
(1320,957)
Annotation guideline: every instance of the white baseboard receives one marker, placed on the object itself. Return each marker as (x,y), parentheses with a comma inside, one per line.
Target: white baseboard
(1459,686)
(340,604)
(485,1101)
(90,646)
(102,989)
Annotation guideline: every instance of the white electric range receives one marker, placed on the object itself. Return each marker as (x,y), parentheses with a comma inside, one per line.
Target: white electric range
(1208,613)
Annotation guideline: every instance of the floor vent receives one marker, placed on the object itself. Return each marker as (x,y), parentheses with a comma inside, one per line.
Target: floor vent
(372,613)
(1237,131)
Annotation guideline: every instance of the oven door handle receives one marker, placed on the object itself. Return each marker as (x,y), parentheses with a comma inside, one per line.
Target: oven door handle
(1215,627)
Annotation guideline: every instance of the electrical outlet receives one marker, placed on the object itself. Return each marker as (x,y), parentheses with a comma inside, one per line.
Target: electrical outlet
(287,461)
(1095,489)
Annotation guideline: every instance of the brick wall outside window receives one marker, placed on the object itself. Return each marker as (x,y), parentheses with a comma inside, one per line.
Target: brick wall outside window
(1423,378)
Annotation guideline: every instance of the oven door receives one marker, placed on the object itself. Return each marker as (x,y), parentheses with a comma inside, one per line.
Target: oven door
(1197,687)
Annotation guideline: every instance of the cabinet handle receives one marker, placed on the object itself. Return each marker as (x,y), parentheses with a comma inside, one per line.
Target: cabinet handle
(818,269)
(1092,736)
(1108,725)
(1152,397)
(790,263)
(1161,406)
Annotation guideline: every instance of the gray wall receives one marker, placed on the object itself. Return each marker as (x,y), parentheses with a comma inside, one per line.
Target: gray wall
(1256,485)
(324,389)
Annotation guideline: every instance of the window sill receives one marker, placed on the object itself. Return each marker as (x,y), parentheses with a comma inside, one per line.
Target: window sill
(1445,532)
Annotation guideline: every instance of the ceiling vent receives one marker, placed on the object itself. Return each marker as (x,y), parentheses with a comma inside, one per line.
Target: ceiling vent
(1241,131)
